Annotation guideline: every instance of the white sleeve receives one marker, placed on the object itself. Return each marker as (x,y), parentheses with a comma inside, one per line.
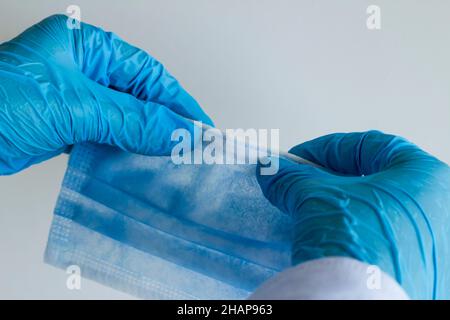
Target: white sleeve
(330,278)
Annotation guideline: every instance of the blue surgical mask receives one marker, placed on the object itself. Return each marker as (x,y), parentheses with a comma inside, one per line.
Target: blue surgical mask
(154,229)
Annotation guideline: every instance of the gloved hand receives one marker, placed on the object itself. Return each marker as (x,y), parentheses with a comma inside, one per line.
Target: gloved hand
(380,200)
(61,86)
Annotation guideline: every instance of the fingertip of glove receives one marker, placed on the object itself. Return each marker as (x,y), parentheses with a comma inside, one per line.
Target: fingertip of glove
(270,170)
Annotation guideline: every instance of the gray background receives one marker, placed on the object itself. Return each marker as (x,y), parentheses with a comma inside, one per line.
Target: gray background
(306,67)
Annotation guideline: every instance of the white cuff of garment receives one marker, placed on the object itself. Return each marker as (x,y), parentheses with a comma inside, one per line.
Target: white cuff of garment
(329,279)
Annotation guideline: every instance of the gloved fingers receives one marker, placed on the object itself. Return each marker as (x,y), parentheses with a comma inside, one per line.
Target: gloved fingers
(106,59)
(360,153)
(112,62)
(284,188)
(353,154)
(119,119)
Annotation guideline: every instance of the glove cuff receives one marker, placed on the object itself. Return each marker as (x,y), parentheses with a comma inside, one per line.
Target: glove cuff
(333,278)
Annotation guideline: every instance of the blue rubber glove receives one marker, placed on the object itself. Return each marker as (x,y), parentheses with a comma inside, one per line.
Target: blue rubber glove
(61,86)
(381,200)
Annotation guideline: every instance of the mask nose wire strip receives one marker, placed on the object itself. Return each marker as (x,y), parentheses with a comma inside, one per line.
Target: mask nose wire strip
(261,148)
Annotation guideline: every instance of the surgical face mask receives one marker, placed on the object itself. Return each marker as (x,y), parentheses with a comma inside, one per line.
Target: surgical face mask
(156,229)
